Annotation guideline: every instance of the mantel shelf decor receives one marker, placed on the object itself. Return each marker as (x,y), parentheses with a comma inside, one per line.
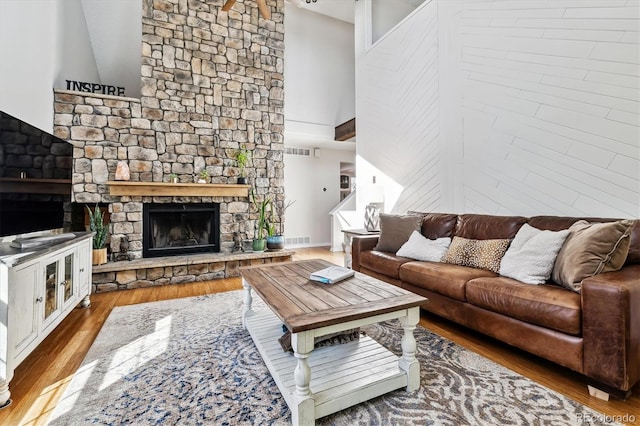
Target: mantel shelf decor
(159,189)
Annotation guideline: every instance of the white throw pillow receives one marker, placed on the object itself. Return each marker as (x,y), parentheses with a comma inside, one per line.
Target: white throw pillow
(420,247)
(531,255)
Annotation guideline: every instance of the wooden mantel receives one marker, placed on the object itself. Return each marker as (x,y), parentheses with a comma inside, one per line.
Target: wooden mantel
(35,186)
(160,189)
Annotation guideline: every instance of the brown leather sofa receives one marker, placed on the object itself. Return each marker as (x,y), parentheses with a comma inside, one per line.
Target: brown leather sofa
(595,332)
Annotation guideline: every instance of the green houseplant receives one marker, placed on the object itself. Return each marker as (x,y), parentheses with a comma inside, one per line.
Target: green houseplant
(242,158)
(275,240)
(203,176)
(100,229)
(262,207)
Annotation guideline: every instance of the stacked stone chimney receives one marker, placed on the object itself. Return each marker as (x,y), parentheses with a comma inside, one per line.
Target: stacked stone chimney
(212,82)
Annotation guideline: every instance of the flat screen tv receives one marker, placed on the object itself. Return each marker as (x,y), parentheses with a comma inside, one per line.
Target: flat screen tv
(31,162)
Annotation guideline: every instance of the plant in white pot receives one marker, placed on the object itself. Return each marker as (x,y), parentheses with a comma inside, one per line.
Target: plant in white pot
(100,229)
(203,176)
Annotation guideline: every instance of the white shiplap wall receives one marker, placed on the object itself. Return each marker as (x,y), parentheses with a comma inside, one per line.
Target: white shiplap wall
(547,98)
(397,113)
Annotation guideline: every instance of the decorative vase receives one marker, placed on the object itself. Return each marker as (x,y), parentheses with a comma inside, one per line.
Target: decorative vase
(242,180)
(174,179)
(371,218)
(275,242)
(99,256)
(259,244)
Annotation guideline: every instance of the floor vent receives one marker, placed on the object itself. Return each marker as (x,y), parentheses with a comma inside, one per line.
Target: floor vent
(297,240)
(306,152)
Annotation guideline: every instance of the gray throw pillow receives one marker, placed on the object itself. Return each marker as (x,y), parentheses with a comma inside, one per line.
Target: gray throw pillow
(395,230)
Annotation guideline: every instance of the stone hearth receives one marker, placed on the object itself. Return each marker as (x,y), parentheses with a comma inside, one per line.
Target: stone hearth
(125,275)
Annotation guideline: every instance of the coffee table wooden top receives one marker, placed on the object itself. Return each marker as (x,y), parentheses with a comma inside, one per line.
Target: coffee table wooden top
(302,304)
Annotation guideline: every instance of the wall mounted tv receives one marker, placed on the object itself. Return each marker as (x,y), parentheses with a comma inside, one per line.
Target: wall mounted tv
(35,177)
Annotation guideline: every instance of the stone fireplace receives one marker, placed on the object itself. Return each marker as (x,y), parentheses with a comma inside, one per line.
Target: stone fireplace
(212,82)
(176,229)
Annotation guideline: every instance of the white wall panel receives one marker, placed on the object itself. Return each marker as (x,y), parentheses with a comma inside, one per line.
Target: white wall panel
(546,95)
(398,113)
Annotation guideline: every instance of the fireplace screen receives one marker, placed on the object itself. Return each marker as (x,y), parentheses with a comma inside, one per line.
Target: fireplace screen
(174,229)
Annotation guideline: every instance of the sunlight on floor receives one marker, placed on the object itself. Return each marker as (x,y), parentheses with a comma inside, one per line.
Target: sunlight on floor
(137,353)
(46,402)
(82,376)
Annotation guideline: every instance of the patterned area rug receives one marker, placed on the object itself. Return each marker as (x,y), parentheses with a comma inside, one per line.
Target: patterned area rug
(190,362)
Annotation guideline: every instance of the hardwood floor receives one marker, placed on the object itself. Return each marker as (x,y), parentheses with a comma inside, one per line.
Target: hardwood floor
(41,379)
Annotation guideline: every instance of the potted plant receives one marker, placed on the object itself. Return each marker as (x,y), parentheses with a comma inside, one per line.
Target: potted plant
(242,158)
(173,178)
(275,241)
(100,229)
(261,207)
(203,176)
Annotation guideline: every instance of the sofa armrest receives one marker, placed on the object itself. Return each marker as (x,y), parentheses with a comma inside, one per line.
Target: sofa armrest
(359,244)
(611,327)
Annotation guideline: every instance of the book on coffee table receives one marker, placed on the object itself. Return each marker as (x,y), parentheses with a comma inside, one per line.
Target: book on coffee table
(332,274)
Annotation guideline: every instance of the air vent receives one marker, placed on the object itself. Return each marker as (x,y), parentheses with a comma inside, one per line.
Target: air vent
(306,152)
(297,240)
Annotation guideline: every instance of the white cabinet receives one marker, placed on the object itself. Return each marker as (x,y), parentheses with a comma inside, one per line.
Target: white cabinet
(84,271)
(24,321)
(41,292)
(60,273)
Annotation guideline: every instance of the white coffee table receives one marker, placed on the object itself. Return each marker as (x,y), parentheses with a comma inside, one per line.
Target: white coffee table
(318,382)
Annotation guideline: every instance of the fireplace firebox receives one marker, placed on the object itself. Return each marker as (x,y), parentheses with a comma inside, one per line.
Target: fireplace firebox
(173,229)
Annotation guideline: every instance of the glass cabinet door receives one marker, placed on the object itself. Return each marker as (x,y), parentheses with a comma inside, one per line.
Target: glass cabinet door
(68,277)
(51,289)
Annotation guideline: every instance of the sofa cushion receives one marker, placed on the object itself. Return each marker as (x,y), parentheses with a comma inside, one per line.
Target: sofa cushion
(531,255)
(590,249)
(387,264)
(395,230)
(548,306)
(486,227)
(448,280)
(556,223)
(437,225)
(483,254)
(419,247)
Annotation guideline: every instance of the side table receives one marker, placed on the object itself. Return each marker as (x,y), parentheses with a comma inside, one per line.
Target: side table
(346,245)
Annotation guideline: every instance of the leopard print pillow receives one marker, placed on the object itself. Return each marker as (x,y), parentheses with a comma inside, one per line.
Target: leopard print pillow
(482,254)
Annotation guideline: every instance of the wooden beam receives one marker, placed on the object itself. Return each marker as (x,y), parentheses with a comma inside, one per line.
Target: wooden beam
(346,130)
(262,6)
(264,10)
(228,5)
(166,189)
